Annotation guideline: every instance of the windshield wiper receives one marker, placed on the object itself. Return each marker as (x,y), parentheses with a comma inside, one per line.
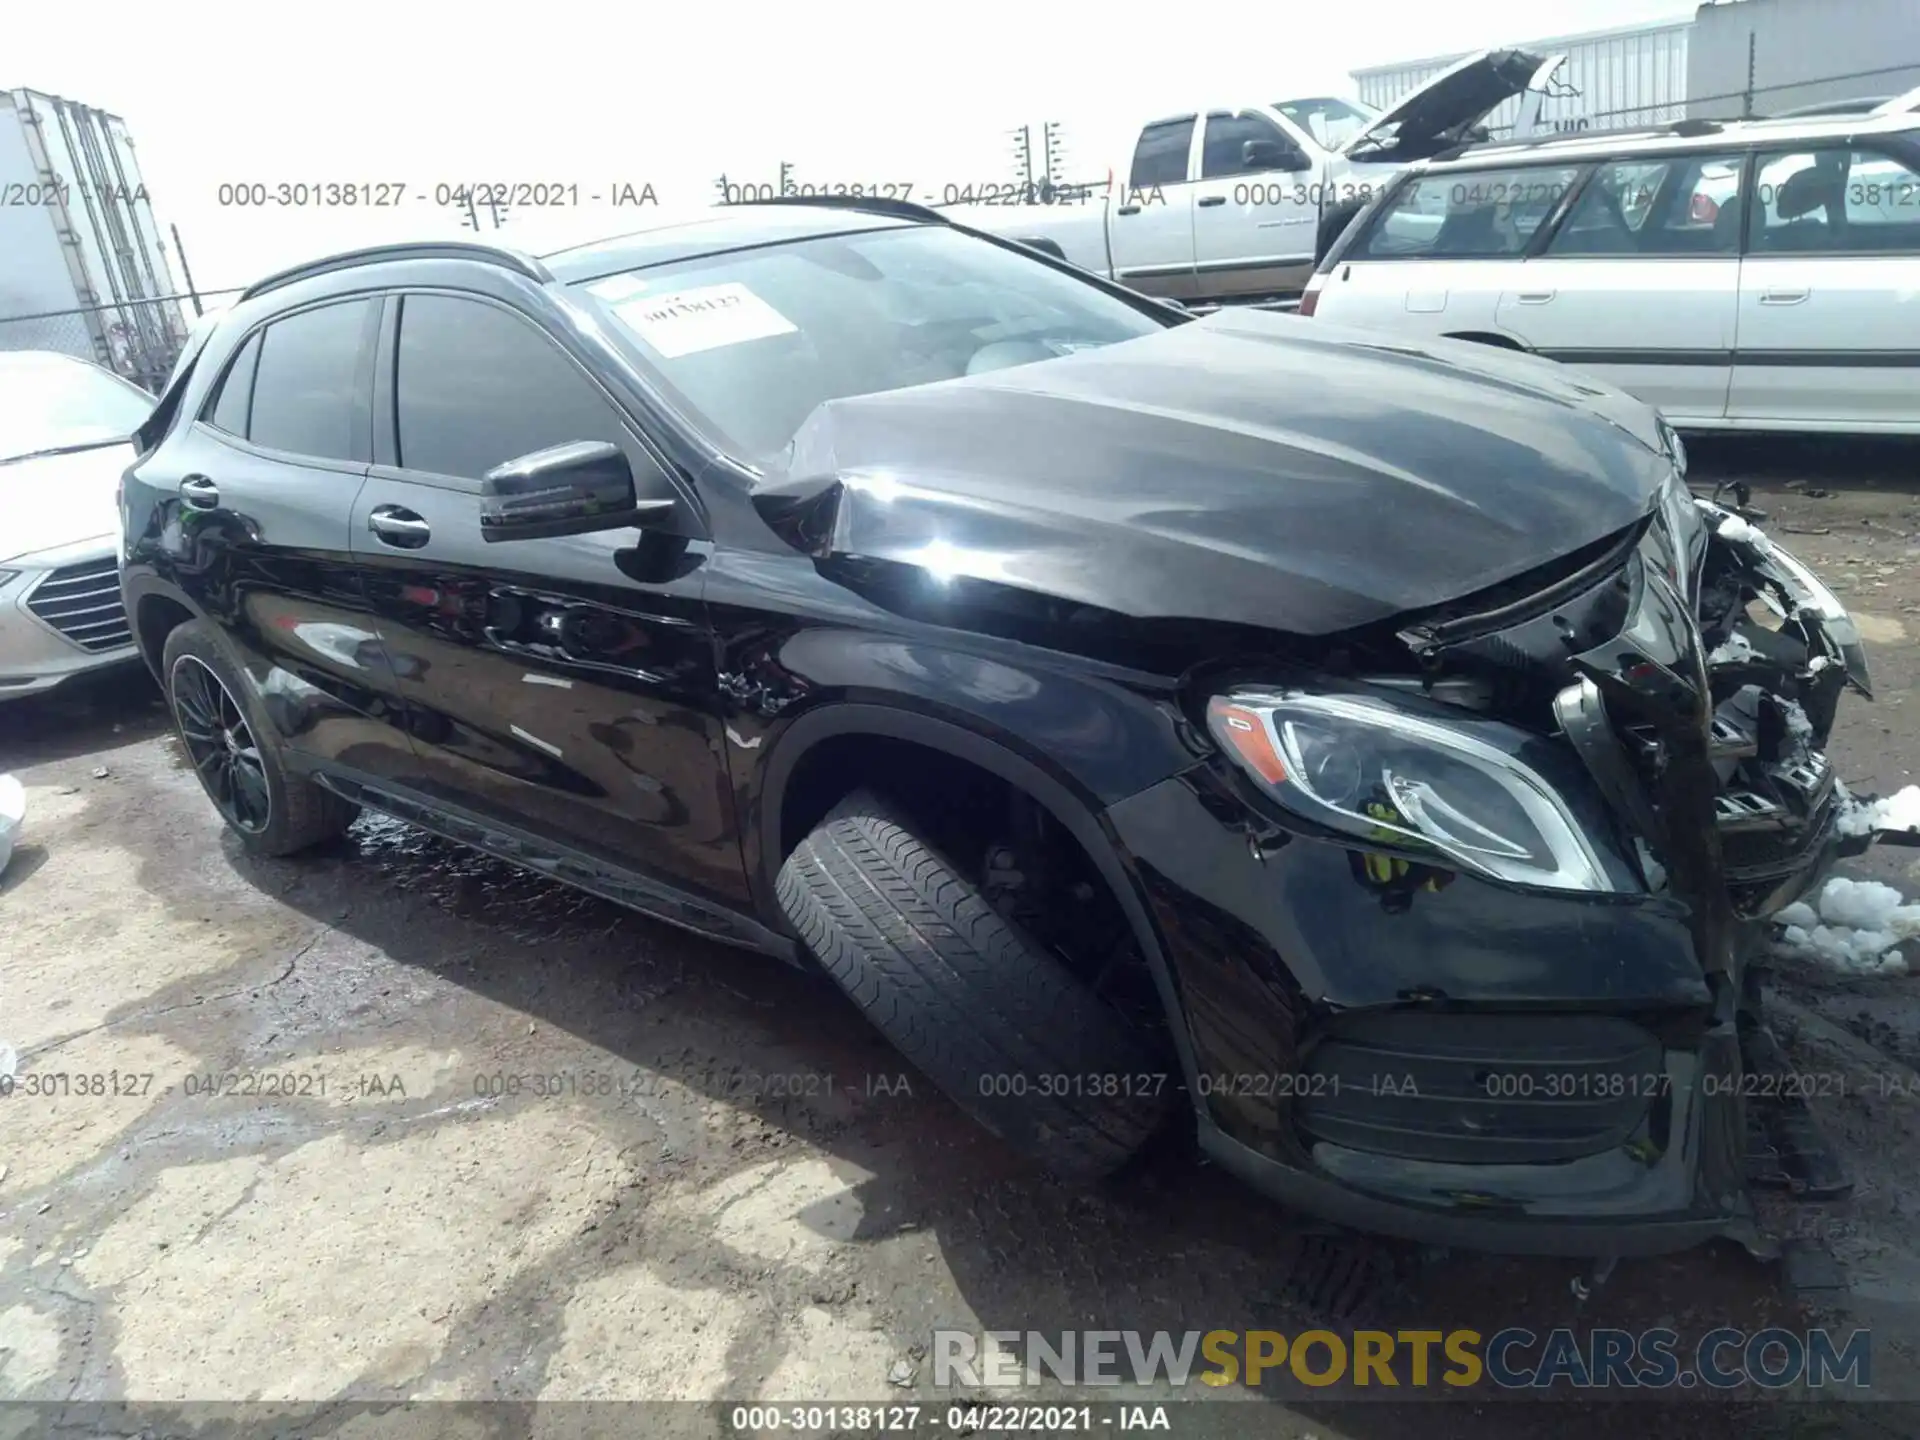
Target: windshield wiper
(73,449)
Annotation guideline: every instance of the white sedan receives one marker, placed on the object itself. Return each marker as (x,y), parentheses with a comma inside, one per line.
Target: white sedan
(64,441)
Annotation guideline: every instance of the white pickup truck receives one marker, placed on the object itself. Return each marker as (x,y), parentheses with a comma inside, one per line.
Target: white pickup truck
(1235,205)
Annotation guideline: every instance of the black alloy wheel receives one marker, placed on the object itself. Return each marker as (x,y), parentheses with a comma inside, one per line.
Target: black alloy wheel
(221,745)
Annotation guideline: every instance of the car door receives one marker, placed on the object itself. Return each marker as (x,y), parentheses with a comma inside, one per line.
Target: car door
(1439,253)
(1150,224)
(1255,208)
(1639,282)
(561,689)
(268,474)
(1828,332)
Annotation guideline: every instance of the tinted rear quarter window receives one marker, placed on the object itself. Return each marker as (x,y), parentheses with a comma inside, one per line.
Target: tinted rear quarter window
(1463,214)
(476,386)
(1161,157)
(229,408)
(304,388)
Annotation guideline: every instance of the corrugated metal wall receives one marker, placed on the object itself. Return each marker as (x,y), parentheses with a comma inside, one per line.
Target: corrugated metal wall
(1765,56)
(1612,78)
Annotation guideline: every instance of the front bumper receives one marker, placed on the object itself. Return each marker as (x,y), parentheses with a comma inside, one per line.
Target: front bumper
(61,616)
(1475,1067)
(1426,1053)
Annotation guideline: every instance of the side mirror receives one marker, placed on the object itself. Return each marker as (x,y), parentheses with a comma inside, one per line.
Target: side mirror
(1273,155)
(569,489)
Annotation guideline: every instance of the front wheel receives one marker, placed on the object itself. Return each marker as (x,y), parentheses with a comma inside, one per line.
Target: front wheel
(234,755)
(1003,1027)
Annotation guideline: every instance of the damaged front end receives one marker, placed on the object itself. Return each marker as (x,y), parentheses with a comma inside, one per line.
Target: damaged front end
(1577,802)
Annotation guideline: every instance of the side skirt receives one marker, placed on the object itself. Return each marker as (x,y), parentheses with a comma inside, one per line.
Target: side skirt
(640,893)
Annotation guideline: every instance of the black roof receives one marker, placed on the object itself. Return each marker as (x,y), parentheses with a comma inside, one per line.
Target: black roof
(728,227)
(724,228)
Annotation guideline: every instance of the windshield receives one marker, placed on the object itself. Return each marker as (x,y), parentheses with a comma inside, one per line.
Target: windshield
(52,402)
(753,341)
(1331,122)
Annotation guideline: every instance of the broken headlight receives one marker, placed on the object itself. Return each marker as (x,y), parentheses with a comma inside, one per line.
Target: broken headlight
(1399,782)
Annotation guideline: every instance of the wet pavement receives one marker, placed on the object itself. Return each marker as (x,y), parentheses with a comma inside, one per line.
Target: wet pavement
(397,1120)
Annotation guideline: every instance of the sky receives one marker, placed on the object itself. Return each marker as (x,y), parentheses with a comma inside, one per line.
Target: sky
(417,96)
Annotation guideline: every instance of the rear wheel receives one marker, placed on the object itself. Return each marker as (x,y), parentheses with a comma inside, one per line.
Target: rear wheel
(233,754)
(1006,1029)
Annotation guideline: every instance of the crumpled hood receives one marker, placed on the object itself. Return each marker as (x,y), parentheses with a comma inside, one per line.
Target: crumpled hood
(1245,467)
(60,499)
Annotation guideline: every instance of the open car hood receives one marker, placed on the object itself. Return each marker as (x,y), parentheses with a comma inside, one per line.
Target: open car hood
(1245,468)
(1442,111)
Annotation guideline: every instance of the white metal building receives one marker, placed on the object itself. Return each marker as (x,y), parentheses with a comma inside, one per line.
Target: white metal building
(1634,75)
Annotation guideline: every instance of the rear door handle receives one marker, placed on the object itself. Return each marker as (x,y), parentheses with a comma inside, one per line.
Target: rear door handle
(1207,200)
(1128,210)
(1534,297)
(1784,297)
(200,493)
(398,526)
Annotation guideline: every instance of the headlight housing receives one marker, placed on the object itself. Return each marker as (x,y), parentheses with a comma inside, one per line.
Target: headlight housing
(1399,782)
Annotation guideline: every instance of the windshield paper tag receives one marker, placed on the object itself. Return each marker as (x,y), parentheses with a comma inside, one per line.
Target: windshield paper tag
(689,321)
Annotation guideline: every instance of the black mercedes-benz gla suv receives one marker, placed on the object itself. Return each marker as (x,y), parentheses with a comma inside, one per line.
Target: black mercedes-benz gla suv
(1370,752)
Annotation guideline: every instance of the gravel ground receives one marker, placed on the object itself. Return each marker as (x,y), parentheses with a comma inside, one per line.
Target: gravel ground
(734,1188)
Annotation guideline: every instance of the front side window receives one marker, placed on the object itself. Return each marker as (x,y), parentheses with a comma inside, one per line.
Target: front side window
(753,341)
(1683,205)
(1161,156)
(1221,153)
(476,386)
(1835,200)
(1460,214)
(304,385)
(52,402)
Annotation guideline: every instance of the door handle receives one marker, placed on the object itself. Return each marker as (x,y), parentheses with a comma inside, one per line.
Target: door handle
(200,493)
(1209,200)
(398,526)
(1784,297)
(1128,210)
(1534,297)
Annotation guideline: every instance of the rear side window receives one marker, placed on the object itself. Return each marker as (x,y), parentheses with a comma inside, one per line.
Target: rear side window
(476,386)
(1466,214)
(1682,205)
(1161,157)
(229,408)
(304,387)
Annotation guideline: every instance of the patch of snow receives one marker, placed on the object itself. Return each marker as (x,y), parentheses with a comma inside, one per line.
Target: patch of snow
(1855,929)
(13,813)
(1798,725)
(1734,529)
(1737,651)
(1898,811)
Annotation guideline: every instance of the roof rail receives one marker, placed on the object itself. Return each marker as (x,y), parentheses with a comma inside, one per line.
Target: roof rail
(412,250)
(1684,128)
(871,204)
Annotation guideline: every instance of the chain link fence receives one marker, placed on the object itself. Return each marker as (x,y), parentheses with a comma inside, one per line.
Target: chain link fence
(139,339)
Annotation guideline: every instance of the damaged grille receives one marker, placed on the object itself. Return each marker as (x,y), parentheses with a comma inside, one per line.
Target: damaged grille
(1696,690)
